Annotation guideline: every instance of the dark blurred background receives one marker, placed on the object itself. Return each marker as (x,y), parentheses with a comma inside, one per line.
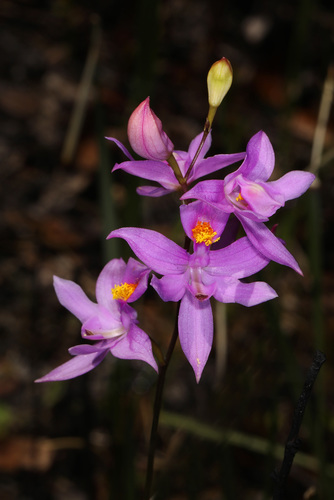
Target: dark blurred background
(71,73)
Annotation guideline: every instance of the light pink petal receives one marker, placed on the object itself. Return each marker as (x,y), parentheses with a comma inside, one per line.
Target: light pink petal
(76,366)
(153,191)
(135,345)
(212,192)
(260,158)
(121,146)
(261,201)
(136,273)
(199,211)
(196,331)
(214,163)
(268,244)
(293,184)
(71,296)
(104,325)
(247,294)
(155,250)
(240,260)
(112,274)
(170,287)
(157,171)
(90,348)
(200,283)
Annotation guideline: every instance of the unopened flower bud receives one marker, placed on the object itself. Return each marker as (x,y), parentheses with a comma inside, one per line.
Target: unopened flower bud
(146,136)
(219,81)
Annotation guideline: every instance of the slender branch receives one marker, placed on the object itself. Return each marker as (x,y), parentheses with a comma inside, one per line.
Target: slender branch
(293,442)
(158,400)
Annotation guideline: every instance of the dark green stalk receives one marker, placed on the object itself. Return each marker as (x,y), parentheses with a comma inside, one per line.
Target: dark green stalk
(158,400)
(157,409)
(207,128)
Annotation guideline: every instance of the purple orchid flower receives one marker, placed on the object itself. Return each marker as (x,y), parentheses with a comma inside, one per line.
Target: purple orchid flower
(161,172)
(194,278)
(248,195)
(112,322)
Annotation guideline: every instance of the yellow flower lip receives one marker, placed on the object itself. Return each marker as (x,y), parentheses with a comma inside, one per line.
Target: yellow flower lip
(203,233)
(123,291)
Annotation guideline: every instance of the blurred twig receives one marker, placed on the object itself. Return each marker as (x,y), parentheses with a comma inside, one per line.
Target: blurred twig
(322,122)
(293,442)
(248,442)
(75,125)
(110,249)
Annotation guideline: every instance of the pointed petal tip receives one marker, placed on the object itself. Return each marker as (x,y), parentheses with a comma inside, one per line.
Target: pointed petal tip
(198,370)
(44,379)
(299,271)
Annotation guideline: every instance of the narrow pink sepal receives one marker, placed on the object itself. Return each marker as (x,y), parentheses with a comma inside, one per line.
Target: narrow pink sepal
(71,296)
(76,366)
(155,250)
(196,331)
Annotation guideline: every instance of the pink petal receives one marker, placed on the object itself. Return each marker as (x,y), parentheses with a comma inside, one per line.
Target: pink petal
(170,287)
(157,171)
(136,273)
(212,192)
(71,296)
(260,158)
(196,331)
(200,211)
(112,274)
(153,191)
(267,243)
(121,146)
(293,184)
(247,294)
(90,348)
(76,366)
(104,325)
(155,250)
(135,345)
(239,260)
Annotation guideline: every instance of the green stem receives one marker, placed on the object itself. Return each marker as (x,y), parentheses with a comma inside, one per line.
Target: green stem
(157,409)
(158,400)
(207,128)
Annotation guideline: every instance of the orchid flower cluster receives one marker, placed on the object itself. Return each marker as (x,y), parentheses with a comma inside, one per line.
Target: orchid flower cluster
(212,262)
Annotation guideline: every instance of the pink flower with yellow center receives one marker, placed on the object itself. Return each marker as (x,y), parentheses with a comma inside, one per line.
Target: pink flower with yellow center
(111,321)
(193,278)
(248,194)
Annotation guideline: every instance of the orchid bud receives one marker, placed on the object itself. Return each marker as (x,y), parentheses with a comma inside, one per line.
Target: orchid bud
(219,81)
(146,136)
